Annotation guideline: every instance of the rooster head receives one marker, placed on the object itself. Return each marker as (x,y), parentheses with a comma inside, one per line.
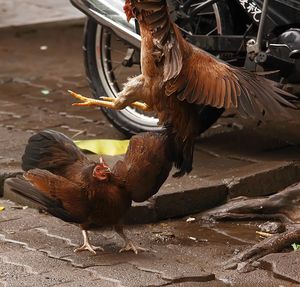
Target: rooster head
(102,171)
(129,10)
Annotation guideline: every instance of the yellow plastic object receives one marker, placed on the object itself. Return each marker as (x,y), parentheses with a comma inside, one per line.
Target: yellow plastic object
(104,147)
(2,208)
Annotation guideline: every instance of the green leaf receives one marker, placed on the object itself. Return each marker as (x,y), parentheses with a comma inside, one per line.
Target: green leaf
(296,246)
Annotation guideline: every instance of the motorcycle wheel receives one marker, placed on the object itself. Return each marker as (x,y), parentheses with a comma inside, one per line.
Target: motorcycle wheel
(104,54)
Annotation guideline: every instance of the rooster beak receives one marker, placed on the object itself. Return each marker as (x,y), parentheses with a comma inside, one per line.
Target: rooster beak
(108,170)
(103,163)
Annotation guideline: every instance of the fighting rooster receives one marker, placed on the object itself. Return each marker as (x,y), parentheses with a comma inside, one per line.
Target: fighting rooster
(61,180)
(187,87)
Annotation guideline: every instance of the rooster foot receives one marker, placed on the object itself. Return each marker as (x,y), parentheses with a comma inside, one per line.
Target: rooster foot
(129,246)
(106,102)
(87,102)
(86,246)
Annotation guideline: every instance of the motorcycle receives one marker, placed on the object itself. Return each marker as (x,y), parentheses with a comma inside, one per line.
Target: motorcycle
(259,35)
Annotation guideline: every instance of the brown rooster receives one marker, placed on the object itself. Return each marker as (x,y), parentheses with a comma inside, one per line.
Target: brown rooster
(185,85)
(66,184)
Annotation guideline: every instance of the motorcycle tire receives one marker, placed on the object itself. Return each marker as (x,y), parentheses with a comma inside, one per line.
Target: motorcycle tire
(105,79)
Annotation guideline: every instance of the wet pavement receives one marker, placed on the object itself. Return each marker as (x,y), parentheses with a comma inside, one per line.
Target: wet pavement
(26,13)
(234,158)
(37,250)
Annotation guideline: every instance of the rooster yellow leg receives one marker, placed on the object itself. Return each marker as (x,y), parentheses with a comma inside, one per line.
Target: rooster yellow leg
(107,102)
(86,244)
(129,245)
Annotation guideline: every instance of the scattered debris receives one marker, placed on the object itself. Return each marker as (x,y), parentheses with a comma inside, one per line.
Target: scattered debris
(203,240)
(79,133)
(263,234)
(45,92)
(191,219)
(193,176)
(272,227)
(192,238)
(19,207)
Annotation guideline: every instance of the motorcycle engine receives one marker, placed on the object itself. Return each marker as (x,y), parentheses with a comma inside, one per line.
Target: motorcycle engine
(284,54)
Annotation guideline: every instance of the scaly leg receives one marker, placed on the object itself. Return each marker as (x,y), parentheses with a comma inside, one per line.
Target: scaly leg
(128,243)
(107,102)
(86,244)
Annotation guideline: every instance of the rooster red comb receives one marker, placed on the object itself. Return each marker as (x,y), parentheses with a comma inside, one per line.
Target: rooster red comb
(128,10)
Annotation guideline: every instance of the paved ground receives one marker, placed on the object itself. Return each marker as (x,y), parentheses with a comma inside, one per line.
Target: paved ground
(234,158)
(37,250)
(25,13)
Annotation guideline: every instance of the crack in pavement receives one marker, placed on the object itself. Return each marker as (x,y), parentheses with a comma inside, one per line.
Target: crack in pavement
(12,219)
(23,244)
(27,268)
(187,279)
(270,266)
(46,232)
(234,157)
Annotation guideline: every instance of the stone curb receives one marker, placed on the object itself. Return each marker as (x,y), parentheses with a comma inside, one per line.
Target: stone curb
(259,180)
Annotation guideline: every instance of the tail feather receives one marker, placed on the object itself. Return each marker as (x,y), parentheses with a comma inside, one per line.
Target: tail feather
(179,152)
(50,150)
(53,206)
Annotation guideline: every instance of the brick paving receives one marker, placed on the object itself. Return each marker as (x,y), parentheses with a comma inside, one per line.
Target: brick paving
(37,250)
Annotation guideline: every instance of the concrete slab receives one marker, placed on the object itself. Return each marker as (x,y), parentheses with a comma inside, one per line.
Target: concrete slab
(181,254)
(283,265)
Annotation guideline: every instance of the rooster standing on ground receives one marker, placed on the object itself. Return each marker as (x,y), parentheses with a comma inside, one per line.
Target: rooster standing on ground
(64,182)
(187,87)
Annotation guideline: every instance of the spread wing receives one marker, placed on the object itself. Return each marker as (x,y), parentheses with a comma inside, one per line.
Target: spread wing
(194,76)
(206,80)
(146,165)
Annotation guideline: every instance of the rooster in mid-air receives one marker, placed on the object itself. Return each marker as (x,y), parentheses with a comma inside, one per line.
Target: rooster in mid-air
(187,87)
(61,180)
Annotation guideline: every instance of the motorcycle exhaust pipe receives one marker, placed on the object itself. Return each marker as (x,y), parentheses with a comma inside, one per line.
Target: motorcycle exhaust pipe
(109,13)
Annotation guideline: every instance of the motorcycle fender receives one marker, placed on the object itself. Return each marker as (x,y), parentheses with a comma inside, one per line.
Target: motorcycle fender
(109,13)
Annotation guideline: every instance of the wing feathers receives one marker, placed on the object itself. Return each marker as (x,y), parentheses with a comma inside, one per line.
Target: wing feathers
(205,80)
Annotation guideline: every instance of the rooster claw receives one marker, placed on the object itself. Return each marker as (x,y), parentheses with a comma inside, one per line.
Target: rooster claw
(88,247)
(131,247)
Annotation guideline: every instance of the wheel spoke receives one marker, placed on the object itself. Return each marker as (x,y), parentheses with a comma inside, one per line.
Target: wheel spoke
(201,14)
(212,31)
